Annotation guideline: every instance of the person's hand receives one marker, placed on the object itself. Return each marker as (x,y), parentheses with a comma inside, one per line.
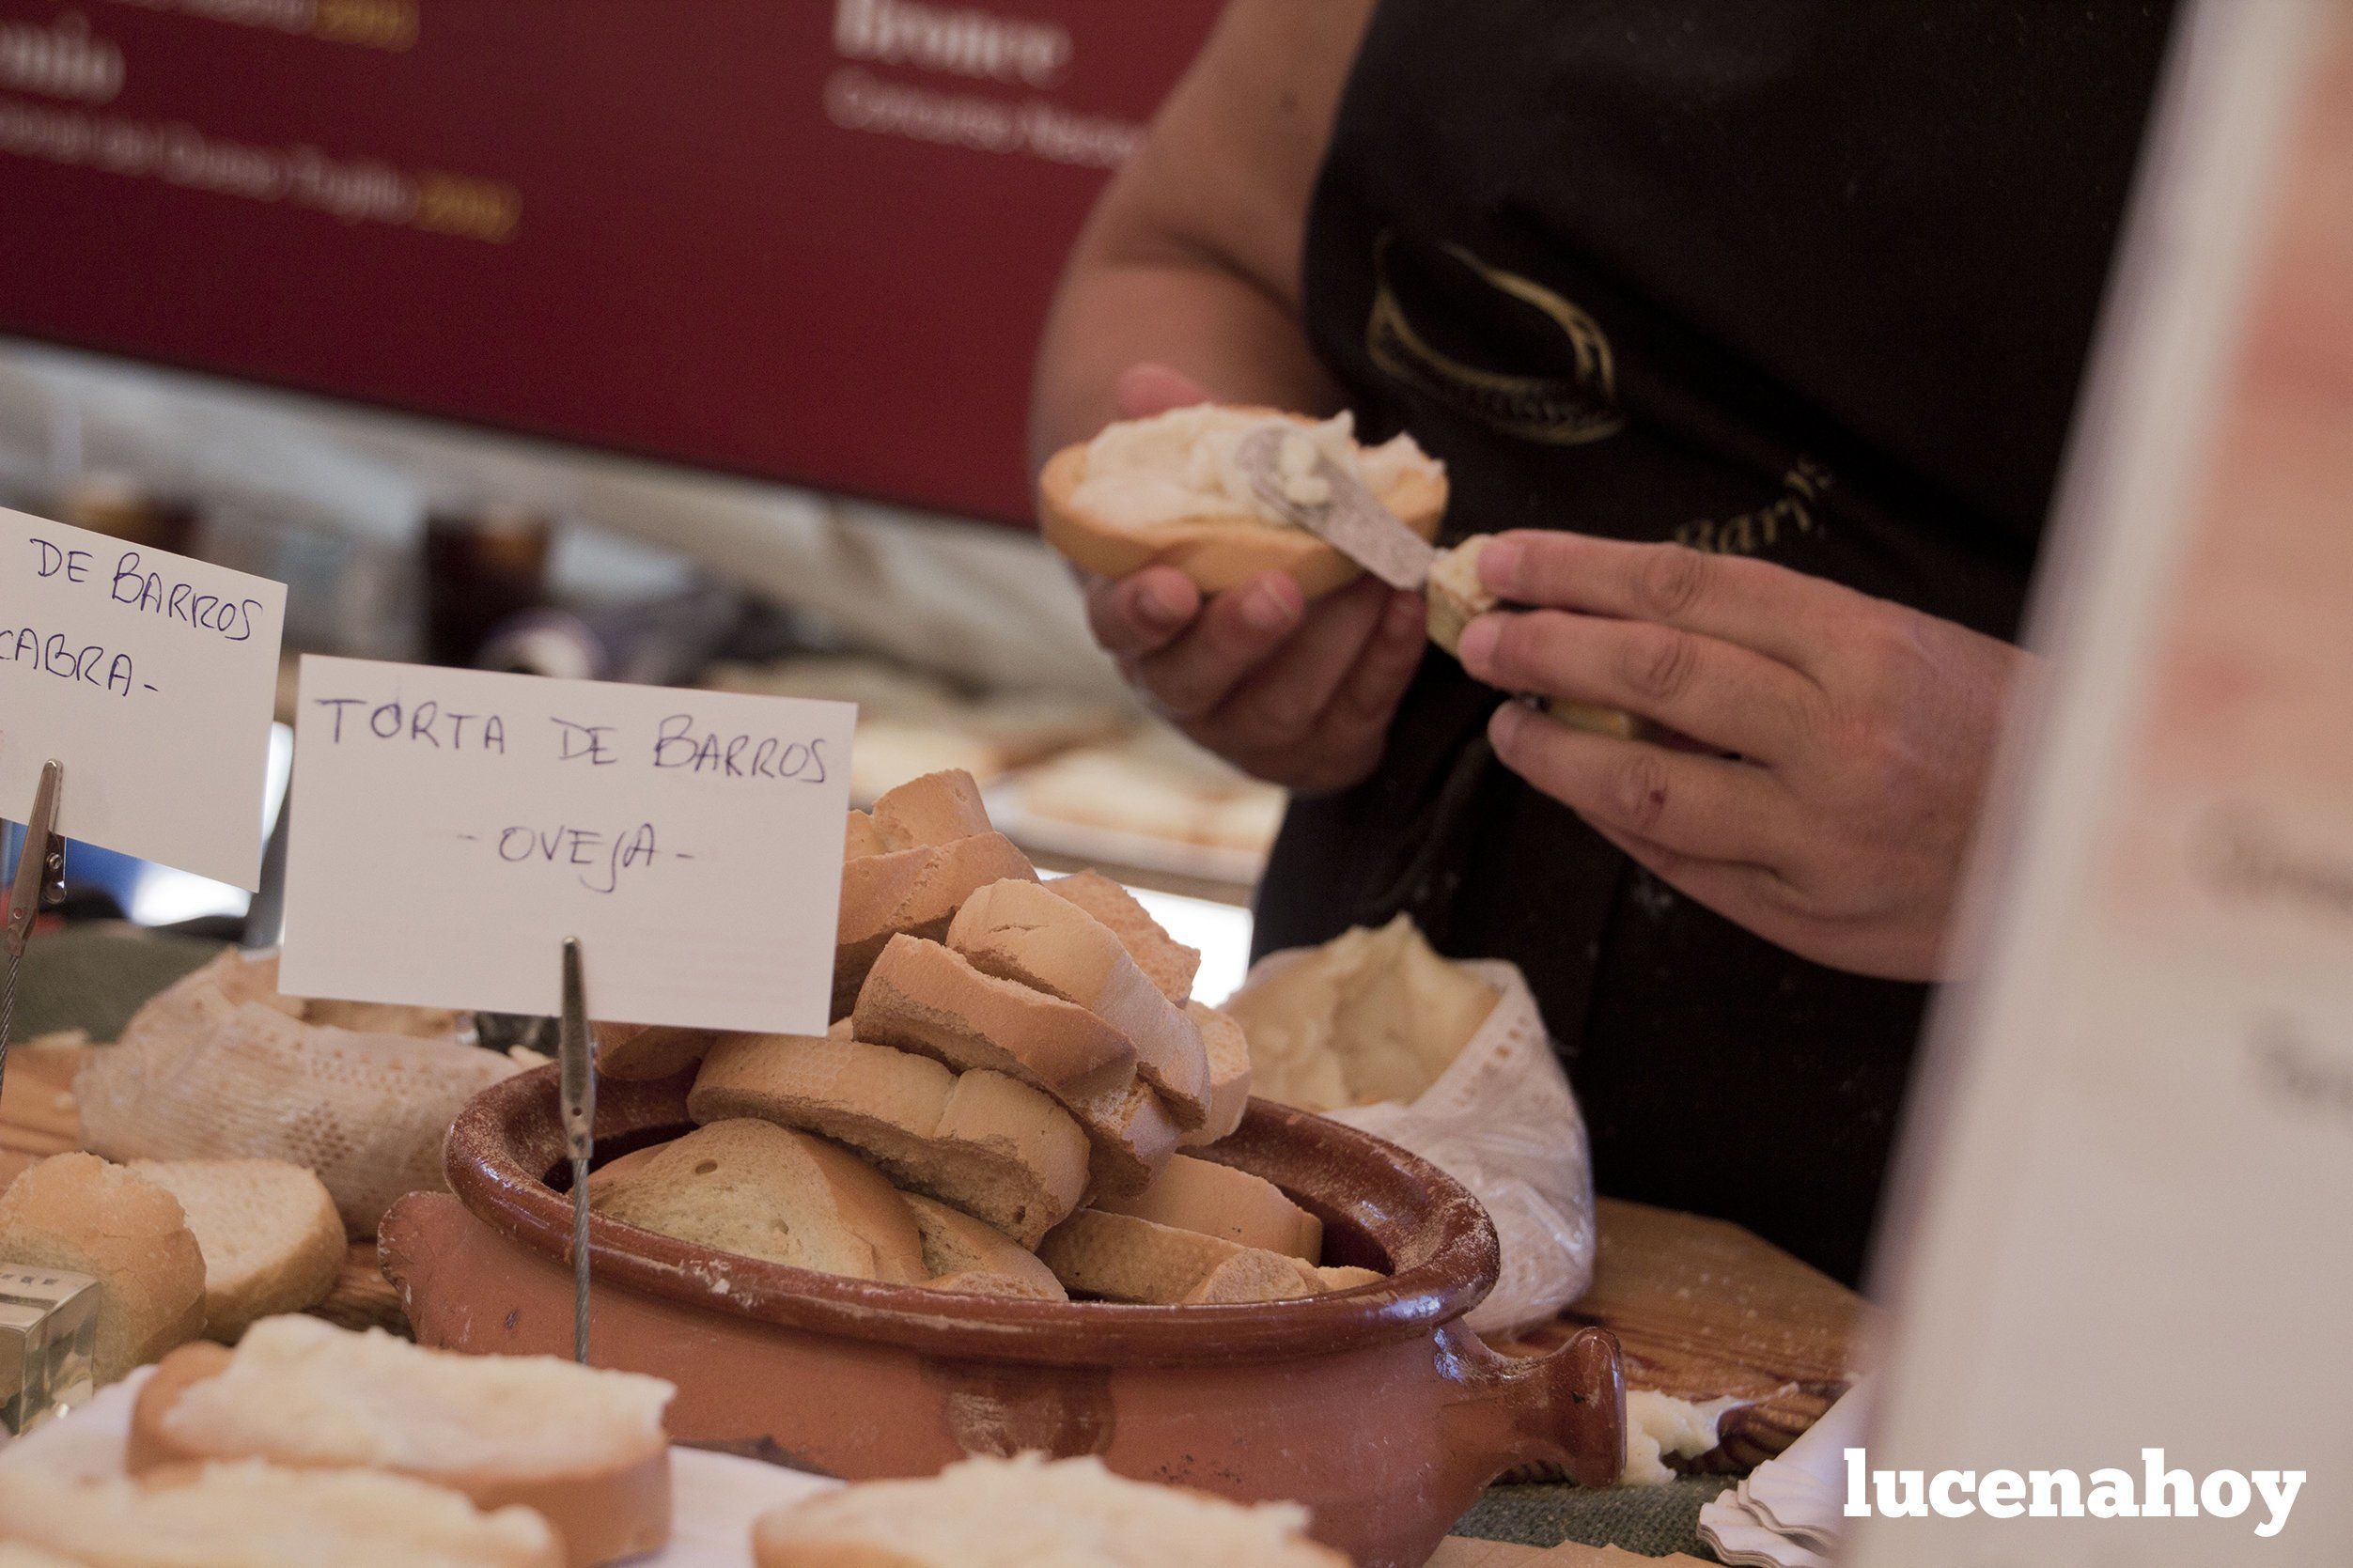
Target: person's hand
(1847,739)
(1296,693)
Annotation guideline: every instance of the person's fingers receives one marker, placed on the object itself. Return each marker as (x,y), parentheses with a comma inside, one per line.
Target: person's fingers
(1694,805)
(1745,894)
(1145,390)
(1142,613)
(1755,604)
(1716,693)
(1281,702)
(1235,633)
(1355,728)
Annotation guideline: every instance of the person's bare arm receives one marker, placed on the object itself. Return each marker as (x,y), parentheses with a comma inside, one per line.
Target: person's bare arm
(1191,258)
(1185,286)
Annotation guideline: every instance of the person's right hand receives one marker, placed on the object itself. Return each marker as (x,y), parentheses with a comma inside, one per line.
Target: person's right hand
(1296,693)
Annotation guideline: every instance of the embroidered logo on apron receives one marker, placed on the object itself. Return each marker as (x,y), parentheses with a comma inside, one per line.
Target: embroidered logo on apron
(1559,410)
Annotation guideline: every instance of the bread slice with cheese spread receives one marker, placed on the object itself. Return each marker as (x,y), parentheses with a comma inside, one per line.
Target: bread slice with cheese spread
(1030,1510)
(582,1447)
(991,1145)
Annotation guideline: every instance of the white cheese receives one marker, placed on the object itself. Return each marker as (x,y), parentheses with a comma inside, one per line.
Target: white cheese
(1182,464)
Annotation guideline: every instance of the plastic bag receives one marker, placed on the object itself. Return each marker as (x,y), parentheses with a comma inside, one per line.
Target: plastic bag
(219,1066)
(1500,1120)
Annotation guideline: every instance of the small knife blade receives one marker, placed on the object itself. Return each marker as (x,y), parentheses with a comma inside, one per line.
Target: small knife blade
(1349,519)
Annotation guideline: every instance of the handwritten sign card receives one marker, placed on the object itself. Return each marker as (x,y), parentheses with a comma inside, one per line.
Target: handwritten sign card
(151,678)
(452,827)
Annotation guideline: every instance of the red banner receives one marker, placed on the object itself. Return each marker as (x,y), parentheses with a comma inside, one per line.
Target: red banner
(810,241)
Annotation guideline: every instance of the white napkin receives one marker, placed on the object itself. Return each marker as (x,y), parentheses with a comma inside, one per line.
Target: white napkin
(1790,1511)
(715,1496)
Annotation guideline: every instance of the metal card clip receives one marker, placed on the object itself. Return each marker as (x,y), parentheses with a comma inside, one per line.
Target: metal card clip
(576,1064)
(40,878)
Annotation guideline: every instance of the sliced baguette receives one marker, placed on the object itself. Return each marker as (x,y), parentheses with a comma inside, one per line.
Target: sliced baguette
(926,998)
(965,1255)
(759,1191)
(1227,1050)
(1120,1257)
(1232,1205)
(991,1145)
(1016,930)
(912,892)
(637,1051)
(1167,962)
(1030,1510)
(270,1237)
(77,1212)
(936,809)
(256,1515)
(583,1448)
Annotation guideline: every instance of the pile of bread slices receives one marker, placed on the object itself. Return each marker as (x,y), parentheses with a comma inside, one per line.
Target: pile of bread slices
(999,1108)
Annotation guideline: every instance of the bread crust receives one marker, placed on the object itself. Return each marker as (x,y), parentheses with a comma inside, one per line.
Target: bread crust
(1233,1206)
(638,1051)
(1168,963)
(963,1254)
(913,891)
(78,1212)
(602,1515)
(1227,1050)
(1217,553)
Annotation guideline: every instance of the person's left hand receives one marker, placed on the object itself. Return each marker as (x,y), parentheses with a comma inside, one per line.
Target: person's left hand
(1847,739)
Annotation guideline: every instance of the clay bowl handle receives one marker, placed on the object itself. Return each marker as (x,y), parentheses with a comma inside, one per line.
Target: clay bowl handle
(1565,1410)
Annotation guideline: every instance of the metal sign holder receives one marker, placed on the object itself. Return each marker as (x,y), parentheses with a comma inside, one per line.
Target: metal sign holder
(40,878)
(576,1059)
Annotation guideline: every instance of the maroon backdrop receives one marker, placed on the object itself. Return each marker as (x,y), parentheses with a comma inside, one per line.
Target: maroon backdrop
(807,239)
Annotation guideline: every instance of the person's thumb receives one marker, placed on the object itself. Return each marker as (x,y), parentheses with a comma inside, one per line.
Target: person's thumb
(1145,390)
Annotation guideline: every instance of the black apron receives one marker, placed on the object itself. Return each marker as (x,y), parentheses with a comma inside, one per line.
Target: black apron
(1812,280)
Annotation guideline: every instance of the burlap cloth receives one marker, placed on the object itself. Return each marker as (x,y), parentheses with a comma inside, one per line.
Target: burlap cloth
(94,977)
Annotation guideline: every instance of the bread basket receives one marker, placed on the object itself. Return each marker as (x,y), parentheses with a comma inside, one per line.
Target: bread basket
(1374,1406)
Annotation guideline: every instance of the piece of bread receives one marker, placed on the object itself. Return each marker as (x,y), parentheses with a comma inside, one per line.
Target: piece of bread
(1168,963)
(926,998)
(77,1212)
(913,891)
(936,809)
(1230,1204)
(1120,1257)
(255,1515)
(1228,1051)
(965,1255)
(1371,1014)
(1031,1511)
(859,838)
(1343,1277)
(923,996)
(1016,930)
(269,1232)
(1221,544)
(760,1190)
(582,1447)
(636,1051)
(992,1145)
(1457,595)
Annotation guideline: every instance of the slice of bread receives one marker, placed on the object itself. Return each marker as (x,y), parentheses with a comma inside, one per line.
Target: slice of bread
(965,1255)
(993,1146)
(1120,1257)
(269,1232)
(926,998)
(1457,595)
(759,1191)
(77,1212)
(256,1515)
(936,809)
(1029,1510)
(1168,963)
(1016,930)
(859,839)
(582,1447)
(1228,1051)
(1230,1204)
(637,1051)
(913,891)
(1221,547)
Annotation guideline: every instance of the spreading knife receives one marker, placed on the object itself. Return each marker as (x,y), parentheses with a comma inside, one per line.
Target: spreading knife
(1352,521)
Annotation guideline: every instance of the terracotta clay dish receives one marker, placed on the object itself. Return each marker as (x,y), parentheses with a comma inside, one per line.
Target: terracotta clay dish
(1374,1406)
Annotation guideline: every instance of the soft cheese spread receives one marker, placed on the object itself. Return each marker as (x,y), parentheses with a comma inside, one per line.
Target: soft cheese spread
(1184,464)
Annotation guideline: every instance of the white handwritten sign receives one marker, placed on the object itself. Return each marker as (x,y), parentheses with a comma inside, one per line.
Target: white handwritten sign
(150,678)
(452,827)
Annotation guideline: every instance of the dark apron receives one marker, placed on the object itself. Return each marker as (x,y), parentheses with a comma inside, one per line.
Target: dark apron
(1808,281)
